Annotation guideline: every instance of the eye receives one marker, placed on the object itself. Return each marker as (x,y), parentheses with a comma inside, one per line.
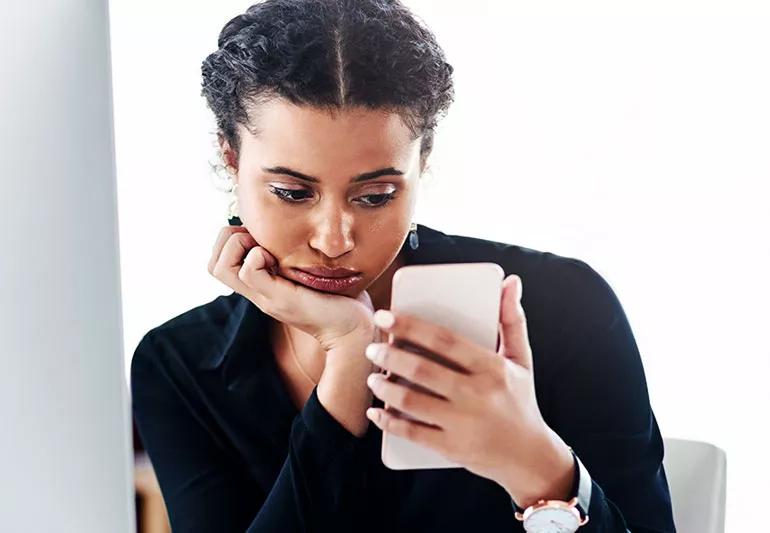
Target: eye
(379,199)
(368,200)
(287,195)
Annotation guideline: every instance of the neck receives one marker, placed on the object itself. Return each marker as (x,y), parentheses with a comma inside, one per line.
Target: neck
(305,348)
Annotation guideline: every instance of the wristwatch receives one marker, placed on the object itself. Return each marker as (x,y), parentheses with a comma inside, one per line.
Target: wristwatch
(557,516)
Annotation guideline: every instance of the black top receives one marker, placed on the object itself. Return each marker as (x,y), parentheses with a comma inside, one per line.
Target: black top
(232,452)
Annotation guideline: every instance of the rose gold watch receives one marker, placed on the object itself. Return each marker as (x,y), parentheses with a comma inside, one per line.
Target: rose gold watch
(545,514)
(557,515)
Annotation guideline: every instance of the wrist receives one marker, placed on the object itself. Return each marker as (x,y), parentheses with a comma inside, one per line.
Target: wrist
(342,389)
(346,359)
(356,339)
(552,475)
(346,404)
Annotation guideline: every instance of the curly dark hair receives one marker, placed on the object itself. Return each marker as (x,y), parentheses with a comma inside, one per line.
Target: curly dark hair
(328,54)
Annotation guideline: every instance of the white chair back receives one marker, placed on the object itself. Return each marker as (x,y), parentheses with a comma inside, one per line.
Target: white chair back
(696,473)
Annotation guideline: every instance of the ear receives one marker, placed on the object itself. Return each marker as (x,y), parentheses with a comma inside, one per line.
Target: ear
(425,168)
(424,163)
(229,157)
(426,147)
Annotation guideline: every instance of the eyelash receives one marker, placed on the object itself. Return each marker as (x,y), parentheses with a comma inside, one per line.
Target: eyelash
(285,195)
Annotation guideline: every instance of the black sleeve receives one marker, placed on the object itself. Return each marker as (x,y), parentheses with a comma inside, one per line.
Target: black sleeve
(597,401)
(205,485)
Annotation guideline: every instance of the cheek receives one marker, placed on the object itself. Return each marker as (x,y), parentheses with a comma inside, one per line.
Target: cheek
(391,221)
(255,199)
(264,215)
(266,228)
(382,241)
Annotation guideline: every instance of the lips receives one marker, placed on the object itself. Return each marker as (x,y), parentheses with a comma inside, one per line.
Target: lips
(326,284)
(328,272)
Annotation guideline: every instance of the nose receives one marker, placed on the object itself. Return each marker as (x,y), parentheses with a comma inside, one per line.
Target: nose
(332,235)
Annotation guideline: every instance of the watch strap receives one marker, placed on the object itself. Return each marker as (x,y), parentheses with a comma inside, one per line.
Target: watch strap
(581,487)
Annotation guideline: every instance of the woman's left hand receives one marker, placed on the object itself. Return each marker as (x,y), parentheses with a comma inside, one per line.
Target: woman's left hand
(484,414)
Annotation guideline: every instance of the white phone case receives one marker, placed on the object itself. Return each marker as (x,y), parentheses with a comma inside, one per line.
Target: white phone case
(464,297)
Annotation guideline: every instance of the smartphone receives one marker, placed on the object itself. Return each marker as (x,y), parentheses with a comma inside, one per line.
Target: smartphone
(464,297)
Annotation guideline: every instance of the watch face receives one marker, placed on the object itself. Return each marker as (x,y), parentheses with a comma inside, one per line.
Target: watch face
(550,520)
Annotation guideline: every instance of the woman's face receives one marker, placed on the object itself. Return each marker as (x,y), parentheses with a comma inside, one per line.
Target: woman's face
(316,189)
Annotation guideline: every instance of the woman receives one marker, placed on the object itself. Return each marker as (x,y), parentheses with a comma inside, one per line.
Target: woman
(261,410)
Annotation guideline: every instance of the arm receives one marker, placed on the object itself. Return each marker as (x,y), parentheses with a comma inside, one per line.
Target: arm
(205,484)
(598,404)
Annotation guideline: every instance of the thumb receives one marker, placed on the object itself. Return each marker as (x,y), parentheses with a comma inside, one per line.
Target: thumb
(514,339)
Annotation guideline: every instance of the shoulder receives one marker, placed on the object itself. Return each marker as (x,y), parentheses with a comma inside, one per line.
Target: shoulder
(196,338)
(552,283)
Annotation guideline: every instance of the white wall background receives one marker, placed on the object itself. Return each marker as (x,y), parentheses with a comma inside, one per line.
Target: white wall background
(636,140)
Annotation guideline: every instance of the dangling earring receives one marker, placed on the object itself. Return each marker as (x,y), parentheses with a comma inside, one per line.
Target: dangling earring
(232,210)
(414,241)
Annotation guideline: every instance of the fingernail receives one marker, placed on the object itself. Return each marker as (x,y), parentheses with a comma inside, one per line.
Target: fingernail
(372,379)
(372,414)
(384,319)
(374,351)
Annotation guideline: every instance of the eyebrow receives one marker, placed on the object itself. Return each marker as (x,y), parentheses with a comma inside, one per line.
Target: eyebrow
(390,171)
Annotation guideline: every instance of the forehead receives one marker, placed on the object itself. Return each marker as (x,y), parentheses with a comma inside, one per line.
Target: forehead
(320,141)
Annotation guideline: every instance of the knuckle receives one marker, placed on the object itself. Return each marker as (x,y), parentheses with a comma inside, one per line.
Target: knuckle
(453,382)
(497,376)
(279,307)
(409,430)
(387,422)
(497,364)
(444,340)
(244,274)
(248,262)
(228,236)
(245,237)
(469,388)
(405,398)
(232,229)
(421,370)
(498,382)
(232,239)
(404,325)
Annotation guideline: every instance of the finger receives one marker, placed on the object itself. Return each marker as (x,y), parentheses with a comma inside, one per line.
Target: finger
(422,406)
(230,260)
(250,276)
(258,258)
(429,436)
(418,369)
(257,273)
(451,348)
(514,339)
(224,234)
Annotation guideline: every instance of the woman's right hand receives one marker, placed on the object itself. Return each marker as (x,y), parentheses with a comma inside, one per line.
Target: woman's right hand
(333,320)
